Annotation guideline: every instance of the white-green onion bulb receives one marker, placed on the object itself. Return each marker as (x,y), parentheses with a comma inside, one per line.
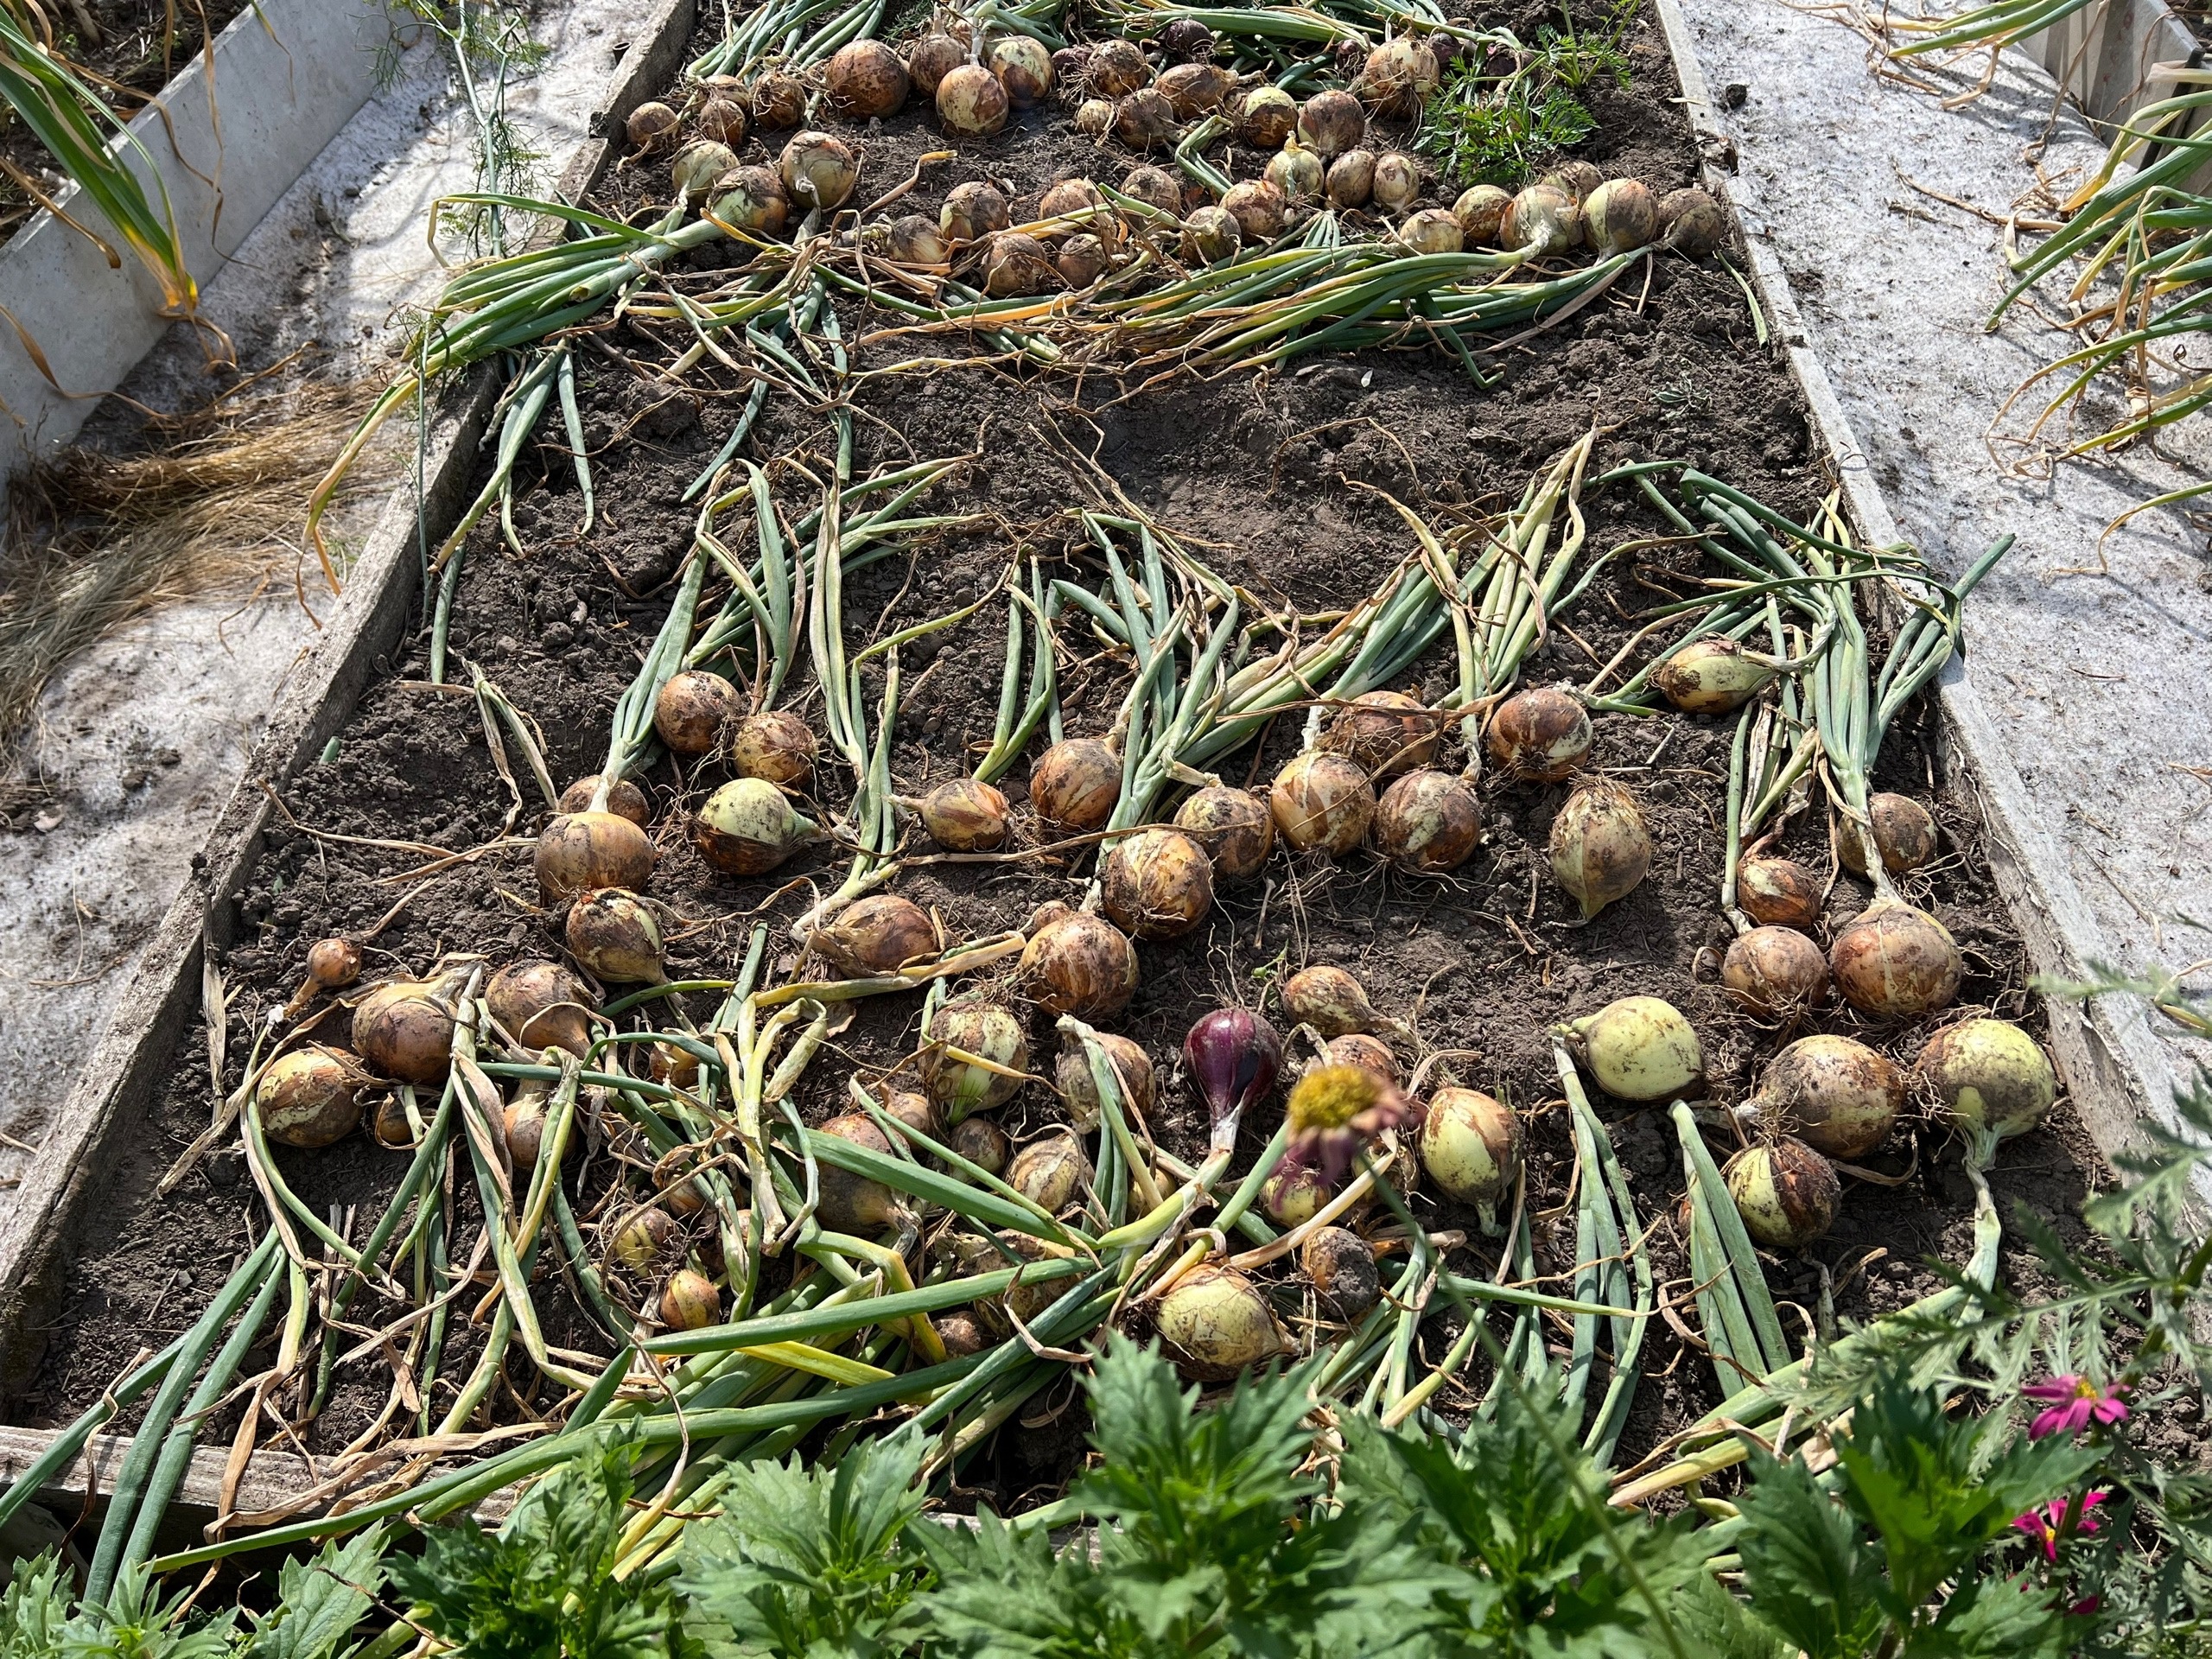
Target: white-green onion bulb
(1992,1079)
(1620,216)
(310,1096)
(971,102)
(1296,172)
(1216,1324)
(1541,222)
(1052,1173)
(1432,230)
(1711,677)
(1471,1147)
(1787,1193)
(1638,1048)
(1211,235)
(747,828)
(750,198)
(1600,850)
(697,165)
(1397,181)
(985,1032)
(1481,213)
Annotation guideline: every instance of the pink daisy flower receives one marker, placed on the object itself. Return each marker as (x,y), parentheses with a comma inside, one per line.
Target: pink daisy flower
(2073,1403)
(2043,1525)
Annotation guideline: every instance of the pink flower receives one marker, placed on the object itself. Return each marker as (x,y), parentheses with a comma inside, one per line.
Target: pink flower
(2075,1402)
(2043,1525)
(2088,1607)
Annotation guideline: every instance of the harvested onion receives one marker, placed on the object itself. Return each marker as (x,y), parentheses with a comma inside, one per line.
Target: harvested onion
(1156,883)
(913,239)
(1905,835)
(334,964)
(990,1034)
(875,935)
(1692,223)
(689,1301)
(641,1238)
(983,1143)
(1211,235)
(1133,1072)
(405,1028)
(1428,821)
(1215,1322)
(616,936)
(652,126)
(1144,119)
(1080,964)
(1117,68)
(1599,848)
(1432,230)
(1155,187)
(747,828)
(1775,892)
(542,1004)
(750,198)
(1322,801)
(1076,199)
(850,1203)
(1074,785)
(1896,961)
(964,815)
(698,166)
(1396,183)
(971,102)
(1399,76)
(1233,825)
(1080,261)
(1331,1001)
(310,1096)
(1186,39)
(1257,208)
(1093,118)
(1480,210)
(1024,69)
(1990,1078)
(1265,117)
(818,171)
(1541,735)
(1294,1195)
(1471,1147)
(932,58)
(1638,1048)
(865,80)
(1332,122)
(973,211)
(625,800)
(777,747)
(1835,1094)
(691,710)
(1234,1057)
(1339,1265)
(1195,89)
(1774,971)
(1295,172)
(1350,181)
(1620,216)
(1369,1053)
(1539,222)
(1576,180)
(1786,1193)
(1711,677)
(578,850)
(1386,732)
(778,101)
(1051,1173)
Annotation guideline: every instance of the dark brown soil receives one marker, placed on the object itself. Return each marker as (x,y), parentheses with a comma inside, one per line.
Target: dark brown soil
(1274,477)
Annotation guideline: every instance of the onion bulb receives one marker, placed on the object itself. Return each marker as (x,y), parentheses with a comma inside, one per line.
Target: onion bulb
(1157,884)
(777,747)
(778,101)
(933,58)
(1432,230)
(1266,117)
(1322,801)
(1777,893)
(1836,1095)
(1896,961)
(1369,1053)
(1076,199)
(1990,1077)
(1539,222)
(689,1301)
(913,239)
(1080,261)
(389,1126)
(1234,1057)
(750,198)
(405,1028)
(653,126)
(616,936)
(1692,223)
(578,850)
(1074,785)
(625,800)
(1154,188)
(747,828)
(1471,1147)
(817,170)
(850,1203)
(677,1067)
(1024,69)
(1117,67)
(983,1143)
(334,964)
(1331,1001)
(875,935)
(522,1126)
(1385,732)
(1786,1193)
(1398,77)
(1133,1072)
(1350,181)
(1397,182)
(1620,216)
(1093,118)
(1187,40)
(1340,1267)
(691,710)
(1080,964)
(1480,210)
(989,1033)
(1144,119)
(964,815)
(1577,180)
(1599,848)
(971,102)
(865,80)
(697,165)
(1216,1324)
(310,1096)
(1541,735)
(1257,208)
(1776,971)
(1051,1173)
(1195,89)
(1332,122)
(542,1004)
(1233,825)
(1072,69)
(1295,172)
(1637,1048)
(1211,235)
(642,1237)
(1294,1194)
(973,211)
(917,1112)
(962,1334)
(1905,835)
(1711,677)
(1428,821)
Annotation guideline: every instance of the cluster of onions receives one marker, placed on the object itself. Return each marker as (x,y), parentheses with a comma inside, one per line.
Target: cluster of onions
(976,91)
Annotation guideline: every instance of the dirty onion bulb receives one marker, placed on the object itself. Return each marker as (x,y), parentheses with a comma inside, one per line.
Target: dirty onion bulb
(865,80)
(1711,677)
(1539,222)
(960,1087)
(1775,970)
(1074,785)
(1637,1048)
(1233,825)
(1896,961)
(1266,117)
(1541,735)
(1322,802)
(1333,1003)
(1471,1147)
(1620,216)
(1132,1068)
(1350,181)
(1024,69)
(965,814)
(1787,1193)
(1216,1324)
(1835,1094)
(1257,208)
(1385,732)
(876,934)
(973,211)
(1599,848)
(776,747)
(818,171)
(1080,964)
(1051,1173)
(310,1096)
(1396,182)
(405,1028)
(747,828)
(578,850)
(1777,892)
(1340,1266)
(691,710)
(971,103)
(1904,836)
(1157,884)
(542,1004)
(1296,172)
(616,936)
(848,1203)
(1211,235)
(1330,123)
(1990,1078)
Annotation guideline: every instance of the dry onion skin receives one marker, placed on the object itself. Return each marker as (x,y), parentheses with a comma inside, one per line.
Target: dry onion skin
(1601,850)
(1896,961)
(1385,732)
(578,850)
(1332,122)
(1620,216)
(1399,76)
(776,747)
(818,171)
(850,1203)
(1397,182)
(876,934)
(973,211)
(1471,1145)
(1216,1324)
(1369,1053)
(750,198)
(1835,1094)
(983,1143)
(1015,263)
(1322,802)
(1539,736)
(1080,261)
(1233,825)
(1778,892)
(1350,181)
(1332,1001)
(405,1028)
(542,1004)
(1133,1072)
(971,103)
(1196,89)
(1257,207)
(1052,1173)
(691,710)
(865,80)
(1992,1079)
(747,828)
(1638,1048)
(933,58)
(1093,118)
(1776,971)
(1578,181)
(1339,1265)
(1116,68)
(1144,119)
(1074,785)
(959,1087)
(309,1096)
(1211,235)
(652,126)
(1905,835)
(1787,1193)
(1428,822)
(334,964)
(1432,230)
(1539,222)
(1480,210)
(698,166)
(1155,187)
(1692,222)
(1296,172)
(625,800)
(778,101)
(965,814)
(1080,964)
(1265,117)
(1024,69)
(615,937)
(1157,884)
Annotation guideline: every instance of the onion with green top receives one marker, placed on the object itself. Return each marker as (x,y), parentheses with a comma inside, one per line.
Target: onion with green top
(1131,1066)
(1211,235)
(818,171)
(747,828)
(1296,172)
(1471,1147)
(1620,216)
(1711,677)
(990,1034)
(1432,230)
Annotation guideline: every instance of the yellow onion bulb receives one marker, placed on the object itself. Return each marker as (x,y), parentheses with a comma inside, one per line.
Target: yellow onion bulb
(1080,261)
(1340,1266)
(1295,172)
(1024,69)
(1601,850)
(522,1126)
(1692,222)
(1776,971)
(1080,964)
(1116,68)
(778,101)
(1156,883)
(1989,1076)
(542,1004)
(1396,185)
(933,58)
(1294,1194)
(1711,677)
(1132,1073)
(697,165)
(616,936)
(1266,117)
(1835,1094)
(1216,1324)
(1156,188)
(1778,892)
(578,850)
(1093,118)
(973,211)
(960,1087)
(983,1143)
(962,1334)
(818,171)
(676,1066)
(1896,961)
(1332,122)
(1211,235)
(1471,1145)
(875,934)
(389,1125)
(1480,210)
(1332,1001)
(914,239)
(334,964)
(777,747)
(653,126)
(850,1203)
(1429,822)
(1350,181)
(866,79)
(1578,180)
(965,814)
(1144,119)
(1195,89)
(641,1239)
(1257,208)
(1233,825)
(405,1029)
(1432,230)
(971,102)
(309,1096)
(1399,76)
(1638,1048)
(1386,732)
(1322,802)
(917,1111)
(1541,735)
(1052,1173)
(1077,198)
(1620,216)
(747,828)
(625,800)
(1905,835)
(1540,221)
(750,198)
(1074,785)
(1369,1053)
(1787,1193)
(689,1301)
